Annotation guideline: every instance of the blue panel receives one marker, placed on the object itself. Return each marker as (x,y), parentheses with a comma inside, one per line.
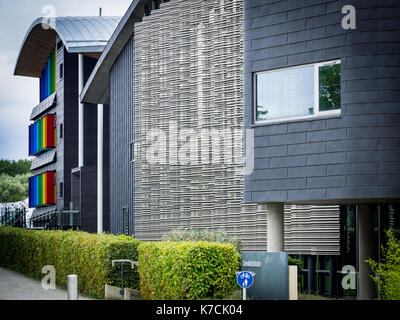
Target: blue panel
(48,77)
(30,192)
(46,82)
(37,191)
(30,141)
(34,139)
(41,86)
(271,281)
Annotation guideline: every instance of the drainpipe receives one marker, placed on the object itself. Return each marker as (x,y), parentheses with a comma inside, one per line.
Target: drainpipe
(100,120)
(81,114)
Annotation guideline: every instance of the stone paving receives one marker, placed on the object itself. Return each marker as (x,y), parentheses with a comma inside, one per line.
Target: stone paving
(14,286)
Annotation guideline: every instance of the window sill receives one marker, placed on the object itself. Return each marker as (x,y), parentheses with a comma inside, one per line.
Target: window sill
(330,115)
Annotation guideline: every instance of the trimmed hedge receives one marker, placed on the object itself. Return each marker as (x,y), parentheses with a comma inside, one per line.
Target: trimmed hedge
(187,270)
(70,252)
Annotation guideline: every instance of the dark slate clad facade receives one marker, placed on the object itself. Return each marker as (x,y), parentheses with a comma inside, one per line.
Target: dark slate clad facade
(121,136)
(354,156)
(85,191)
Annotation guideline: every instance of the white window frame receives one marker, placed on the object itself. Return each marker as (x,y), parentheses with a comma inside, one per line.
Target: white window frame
(317,112)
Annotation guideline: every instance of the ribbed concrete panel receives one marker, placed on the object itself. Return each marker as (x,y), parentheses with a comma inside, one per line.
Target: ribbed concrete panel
(312,230)
(188,72)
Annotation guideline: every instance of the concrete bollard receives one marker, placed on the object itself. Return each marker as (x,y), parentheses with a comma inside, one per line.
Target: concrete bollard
(72,287)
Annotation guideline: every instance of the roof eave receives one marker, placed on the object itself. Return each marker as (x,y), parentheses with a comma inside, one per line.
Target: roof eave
(30,64)
(96,90)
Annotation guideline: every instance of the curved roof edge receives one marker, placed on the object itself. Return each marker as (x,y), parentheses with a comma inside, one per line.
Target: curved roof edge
(86,35)
(96,90)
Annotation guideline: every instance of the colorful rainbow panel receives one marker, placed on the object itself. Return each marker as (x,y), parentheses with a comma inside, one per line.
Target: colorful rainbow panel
(42,134)
(42,190)
(48,80)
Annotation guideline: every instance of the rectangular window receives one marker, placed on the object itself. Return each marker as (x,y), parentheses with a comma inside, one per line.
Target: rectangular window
(61,190)
(61,131)
(298,92)
(59,45)
(125,213)
(61,71)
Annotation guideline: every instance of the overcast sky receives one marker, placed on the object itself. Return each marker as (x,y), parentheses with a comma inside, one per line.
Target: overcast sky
(19,95)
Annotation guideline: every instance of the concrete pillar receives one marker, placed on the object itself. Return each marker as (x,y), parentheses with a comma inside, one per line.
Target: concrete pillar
(366,246)
(81,119)
(275,234)
(100,126)
(293,283)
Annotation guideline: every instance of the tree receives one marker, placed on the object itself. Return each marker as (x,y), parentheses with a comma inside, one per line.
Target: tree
(14,180)
(387,273)
(13,168)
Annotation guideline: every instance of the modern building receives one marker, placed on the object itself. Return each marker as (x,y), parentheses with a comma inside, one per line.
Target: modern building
(321,96)
(270,119)
(175,96)
(61,53)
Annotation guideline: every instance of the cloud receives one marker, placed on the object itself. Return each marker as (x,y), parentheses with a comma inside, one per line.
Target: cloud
(17,98)
(19,95)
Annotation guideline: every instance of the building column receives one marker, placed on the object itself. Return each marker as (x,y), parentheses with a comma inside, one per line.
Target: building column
(275,232)
(311,274)
(366,244)
(81,83)
(332,276)
(100,148)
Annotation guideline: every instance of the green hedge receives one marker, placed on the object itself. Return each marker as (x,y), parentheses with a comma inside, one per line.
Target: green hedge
(187,270)
(70,252)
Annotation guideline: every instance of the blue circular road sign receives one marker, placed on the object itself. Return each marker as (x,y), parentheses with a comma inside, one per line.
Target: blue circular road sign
(245,279)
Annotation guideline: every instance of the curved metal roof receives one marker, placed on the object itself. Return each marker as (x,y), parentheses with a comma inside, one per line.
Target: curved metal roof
(86,35)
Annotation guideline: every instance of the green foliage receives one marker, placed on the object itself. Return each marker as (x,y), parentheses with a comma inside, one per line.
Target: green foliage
(13,168)
(219,236)
(388,271)
(13,188)
(329,87)
(295,262)
(187,270)
(14,180)
(70,252)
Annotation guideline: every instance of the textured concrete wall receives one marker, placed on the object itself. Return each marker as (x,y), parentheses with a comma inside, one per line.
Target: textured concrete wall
(354,156)
(188,71)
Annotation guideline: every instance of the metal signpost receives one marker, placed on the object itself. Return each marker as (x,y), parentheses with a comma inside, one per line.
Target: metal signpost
(122,291)
(245,279)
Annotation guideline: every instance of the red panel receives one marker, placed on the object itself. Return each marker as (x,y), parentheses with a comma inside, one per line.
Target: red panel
(50,187)
(50,131)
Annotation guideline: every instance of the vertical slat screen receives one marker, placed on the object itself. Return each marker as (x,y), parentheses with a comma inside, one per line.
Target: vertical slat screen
(42,189)
(48,79)
(42,134)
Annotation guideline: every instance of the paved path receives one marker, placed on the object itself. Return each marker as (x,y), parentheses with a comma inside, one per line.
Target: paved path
(14,286)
